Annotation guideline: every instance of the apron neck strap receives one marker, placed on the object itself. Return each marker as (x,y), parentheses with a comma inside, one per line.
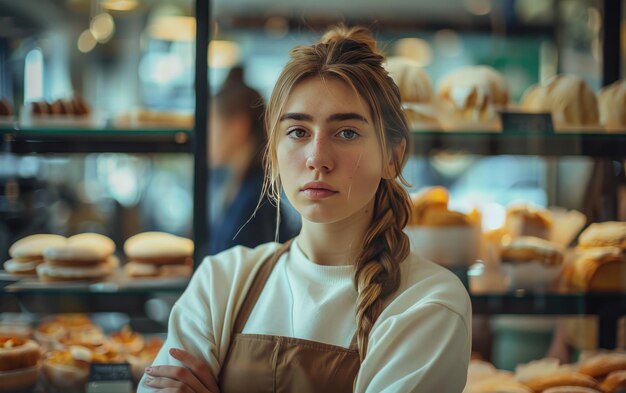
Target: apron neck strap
(257,287)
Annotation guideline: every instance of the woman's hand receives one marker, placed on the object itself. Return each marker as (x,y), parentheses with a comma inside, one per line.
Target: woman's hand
(195,377)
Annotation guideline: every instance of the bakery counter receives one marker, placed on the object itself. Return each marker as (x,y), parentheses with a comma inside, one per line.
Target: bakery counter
(591,143)
(74,140)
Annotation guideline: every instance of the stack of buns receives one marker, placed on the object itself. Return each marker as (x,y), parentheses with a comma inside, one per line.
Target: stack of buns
(471,97)
(609,368)
(19,363)
(416,92)
(612,105)
(27,253)
(84,257)
(568,98)
(158,254)
(600,262)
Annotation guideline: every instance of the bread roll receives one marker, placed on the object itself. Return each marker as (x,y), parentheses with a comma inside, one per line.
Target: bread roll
(603,234)
(526,220)
(602,364)
(413,82)
(614,382)
(599,270)
(428,198)
(562,378)
(567,97)
(612,106)
(532,249)
(474,93)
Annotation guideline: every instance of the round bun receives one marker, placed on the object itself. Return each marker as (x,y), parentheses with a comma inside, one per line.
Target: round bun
(95,241)
(612,106)
(614,382)
(17,353)
(600,365)
(412,80)
(74,255)
(532,249)
(475,92)
(445,218)
(67,370)
(54,272)
(32,247)
(158,247)
(609,233)
(526,220)
(126,341)
(567,97)
(599,269)
(561,378)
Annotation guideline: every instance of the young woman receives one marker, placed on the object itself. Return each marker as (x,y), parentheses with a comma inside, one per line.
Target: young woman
(344,306)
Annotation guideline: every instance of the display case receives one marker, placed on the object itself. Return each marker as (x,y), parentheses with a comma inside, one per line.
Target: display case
(606,151)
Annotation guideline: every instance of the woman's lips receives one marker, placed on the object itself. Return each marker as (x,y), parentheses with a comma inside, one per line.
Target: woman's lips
(318,190)
(318,193)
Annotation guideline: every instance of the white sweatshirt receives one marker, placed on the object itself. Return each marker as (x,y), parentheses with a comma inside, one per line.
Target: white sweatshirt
(421,342)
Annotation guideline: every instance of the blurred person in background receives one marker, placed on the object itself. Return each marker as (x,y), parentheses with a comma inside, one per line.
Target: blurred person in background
(236,143)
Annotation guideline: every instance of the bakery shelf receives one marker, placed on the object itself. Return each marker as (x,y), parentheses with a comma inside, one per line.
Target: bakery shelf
(609,307)
(589,143)
(39,140)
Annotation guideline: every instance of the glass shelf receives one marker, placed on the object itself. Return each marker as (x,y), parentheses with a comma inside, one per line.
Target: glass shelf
(63,140)
(590,143)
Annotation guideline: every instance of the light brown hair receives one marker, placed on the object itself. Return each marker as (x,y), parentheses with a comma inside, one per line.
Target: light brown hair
(350,55)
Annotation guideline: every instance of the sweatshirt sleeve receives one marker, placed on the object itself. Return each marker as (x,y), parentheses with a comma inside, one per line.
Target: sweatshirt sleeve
(424,349)
(201,320)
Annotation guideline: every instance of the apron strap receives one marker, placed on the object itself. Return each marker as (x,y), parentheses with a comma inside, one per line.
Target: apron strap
(257,287)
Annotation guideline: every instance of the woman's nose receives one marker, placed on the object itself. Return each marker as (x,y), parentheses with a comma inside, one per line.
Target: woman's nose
(320,156)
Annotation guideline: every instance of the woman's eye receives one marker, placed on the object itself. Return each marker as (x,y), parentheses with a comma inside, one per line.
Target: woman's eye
(348,134)
(297,133)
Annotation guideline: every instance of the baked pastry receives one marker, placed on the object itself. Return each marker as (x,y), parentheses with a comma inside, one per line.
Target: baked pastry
(435,197)
(602,234)
(67,370)
(27,253)
(19,363)
(473,94)
(161,254)
(526,220)
(50,331)
(126,341)
(158,248)
(601,269)
(85,257)
(532,249)
(416,92)
(445,218)
(614,382)
(602,364)
(567,97)
(562,378)
(612,106)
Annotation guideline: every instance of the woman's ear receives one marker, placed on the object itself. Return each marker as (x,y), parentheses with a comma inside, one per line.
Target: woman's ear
(397,153)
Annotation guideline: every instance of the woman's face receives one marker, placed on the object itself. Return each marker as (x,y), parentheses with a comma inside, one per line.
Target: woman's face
(329,156)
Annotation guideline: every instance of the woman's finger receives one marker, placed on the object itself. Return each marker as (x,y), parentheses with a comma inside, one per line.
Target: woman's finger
(198,367)
(167,384)
(174,376)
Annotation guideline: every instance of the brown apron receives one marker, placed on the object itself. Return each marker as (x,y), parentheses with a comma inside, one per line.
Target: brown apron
(258,363)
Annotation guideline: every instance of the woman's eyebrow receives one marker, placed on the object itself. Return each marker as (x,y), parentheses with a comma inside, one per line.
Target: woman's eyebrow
(346,116)
(296,116)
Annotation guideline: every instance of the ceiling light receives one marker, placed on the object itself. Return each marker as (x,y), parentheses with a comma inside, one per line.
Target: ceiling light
(86,41)
(415,49)
(102,27)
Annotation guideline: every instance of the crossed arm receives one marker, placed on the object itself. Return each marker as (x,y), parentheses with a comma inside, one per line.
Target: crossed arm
(195,377)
